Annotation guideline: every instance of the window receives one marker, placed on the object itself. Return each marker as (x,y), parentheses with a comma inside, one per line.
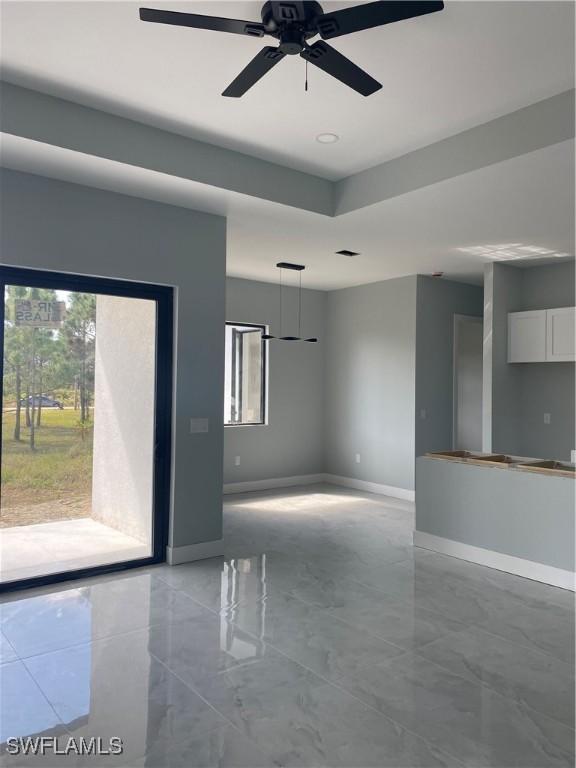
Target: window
(245,375)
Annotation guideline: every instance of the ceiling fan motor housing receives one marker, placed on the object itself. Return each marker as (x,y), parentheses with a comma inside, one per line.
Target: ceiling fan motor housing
(291,23)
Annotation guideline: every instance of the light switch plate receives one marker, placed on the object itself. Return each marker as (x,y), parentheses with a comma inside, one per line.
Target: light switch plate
(236,461)
(357,457)
(546,418)
(573,456)
(198,425)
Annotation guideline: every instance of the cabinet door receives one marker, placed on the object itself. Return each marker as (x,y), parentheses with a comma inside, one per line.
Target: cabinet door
(527,337)
(561,338)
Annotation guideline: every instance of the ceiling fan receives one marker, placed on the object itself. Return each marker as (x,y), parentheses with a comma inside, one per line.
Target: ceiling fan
(293,24)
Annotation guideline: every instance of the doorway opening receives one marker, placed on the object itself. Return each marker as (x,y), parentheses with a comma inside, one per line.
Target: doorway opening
(85,437)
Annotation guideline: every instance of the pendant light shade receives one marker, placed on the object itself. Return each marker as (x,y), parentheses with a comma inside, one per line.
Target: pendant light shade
(269,336)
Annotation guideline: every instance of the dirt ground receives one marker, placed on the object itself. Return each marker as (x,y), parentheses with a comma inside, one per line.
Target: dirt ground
(70,508)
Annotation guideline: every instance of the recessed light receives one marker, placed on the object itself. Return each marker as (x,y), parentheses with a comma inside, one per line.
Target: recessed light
(327,138)
(346,252)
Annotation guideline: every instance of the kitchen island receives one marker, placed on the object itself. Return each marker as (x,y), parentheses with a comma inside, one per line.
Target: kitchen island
(513,514)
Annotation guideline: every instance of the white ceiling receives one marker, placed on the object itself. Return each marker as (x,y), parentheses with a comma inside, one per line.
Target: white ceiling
(442,74)
(527,201)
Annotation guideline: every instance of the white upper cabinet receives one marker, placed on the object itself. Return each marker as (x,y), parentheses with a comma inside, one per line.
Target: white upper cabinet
(560,335)
(544,335)
(527,337)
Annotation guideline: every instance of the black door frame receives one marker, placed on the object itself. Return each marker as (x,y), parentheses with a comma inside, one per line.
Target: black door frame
(163,296)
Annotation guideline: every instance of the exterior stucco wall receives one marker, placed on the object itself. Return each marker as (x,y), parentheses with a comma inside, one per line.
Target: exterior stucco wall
(124,414)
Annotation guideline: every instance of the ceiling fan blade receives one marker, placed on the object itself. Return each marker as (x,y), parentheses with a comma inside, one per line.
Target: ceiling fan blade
(215,23)
(370,15)
(331,61)
(262,63)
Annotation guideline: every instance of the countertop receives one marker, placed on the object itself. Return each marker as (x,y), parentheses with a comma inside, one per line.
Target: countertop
(503,461)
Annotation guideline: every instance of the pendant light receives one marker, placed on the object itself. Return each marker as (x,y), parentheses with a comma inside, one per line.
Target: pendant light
(268,336)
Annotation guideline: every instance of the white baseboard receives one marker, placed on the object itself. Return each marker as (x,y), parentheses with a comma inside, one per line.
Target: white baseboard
(273,482)
(191,552)
(528,569)
(364,485)
(349,482)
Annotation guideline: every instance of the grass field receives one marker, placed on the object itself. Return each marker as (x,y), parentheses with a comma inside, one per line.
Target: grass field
(60,467)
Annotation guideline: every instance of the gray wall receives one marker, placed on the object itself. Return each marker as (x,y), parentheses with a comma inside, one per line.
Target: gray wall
(370,376)
(549,285)
(48,224)
(545,391)
(385,352)
(522,393)
(437,303)
(517,513)
(292,442)
(547,387)
(504,379)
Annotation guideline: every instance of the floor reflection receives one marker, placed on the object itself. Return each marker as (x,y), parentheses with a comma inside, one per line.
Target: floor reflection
(322,639)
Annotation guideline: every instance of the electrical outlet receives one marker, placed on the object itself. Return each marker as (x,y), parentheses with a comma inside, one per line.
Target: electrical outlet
(546,418)
(236,461)
(357,458)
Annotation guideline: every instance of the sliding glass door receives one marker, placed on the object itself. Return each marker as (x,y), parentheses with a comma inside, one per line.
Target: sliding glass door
(85,450)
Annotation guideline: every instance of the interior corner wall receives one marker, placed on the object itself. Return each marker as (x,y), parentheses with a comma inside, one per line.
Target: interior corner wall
(370,378)
(52,225)
(291,443)
(436,304)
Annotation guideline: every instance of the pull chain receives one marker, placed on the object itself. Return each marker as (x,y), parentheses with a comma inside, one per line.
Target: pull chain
(306,77)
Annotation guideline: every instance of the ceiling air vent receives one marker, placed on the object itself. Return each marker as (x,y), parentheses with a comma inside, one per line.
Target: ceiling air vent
(346,252)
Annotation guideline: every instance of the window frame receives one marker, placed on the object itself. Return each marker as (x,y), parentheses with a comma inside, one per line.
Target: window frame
(264,369)
(165,356)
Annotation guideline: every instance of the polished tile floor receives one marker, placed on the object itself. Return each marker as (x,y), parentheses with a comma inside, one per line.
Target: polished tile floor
(322,638)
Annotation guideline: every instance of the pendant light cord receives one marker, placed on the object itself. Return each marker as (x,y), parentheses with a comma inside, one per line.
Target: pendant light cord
(280,318)
(299,304)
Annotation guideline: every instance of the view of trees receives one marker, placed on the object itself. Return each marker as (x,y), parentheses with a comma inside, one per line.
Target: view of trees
(37,361)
